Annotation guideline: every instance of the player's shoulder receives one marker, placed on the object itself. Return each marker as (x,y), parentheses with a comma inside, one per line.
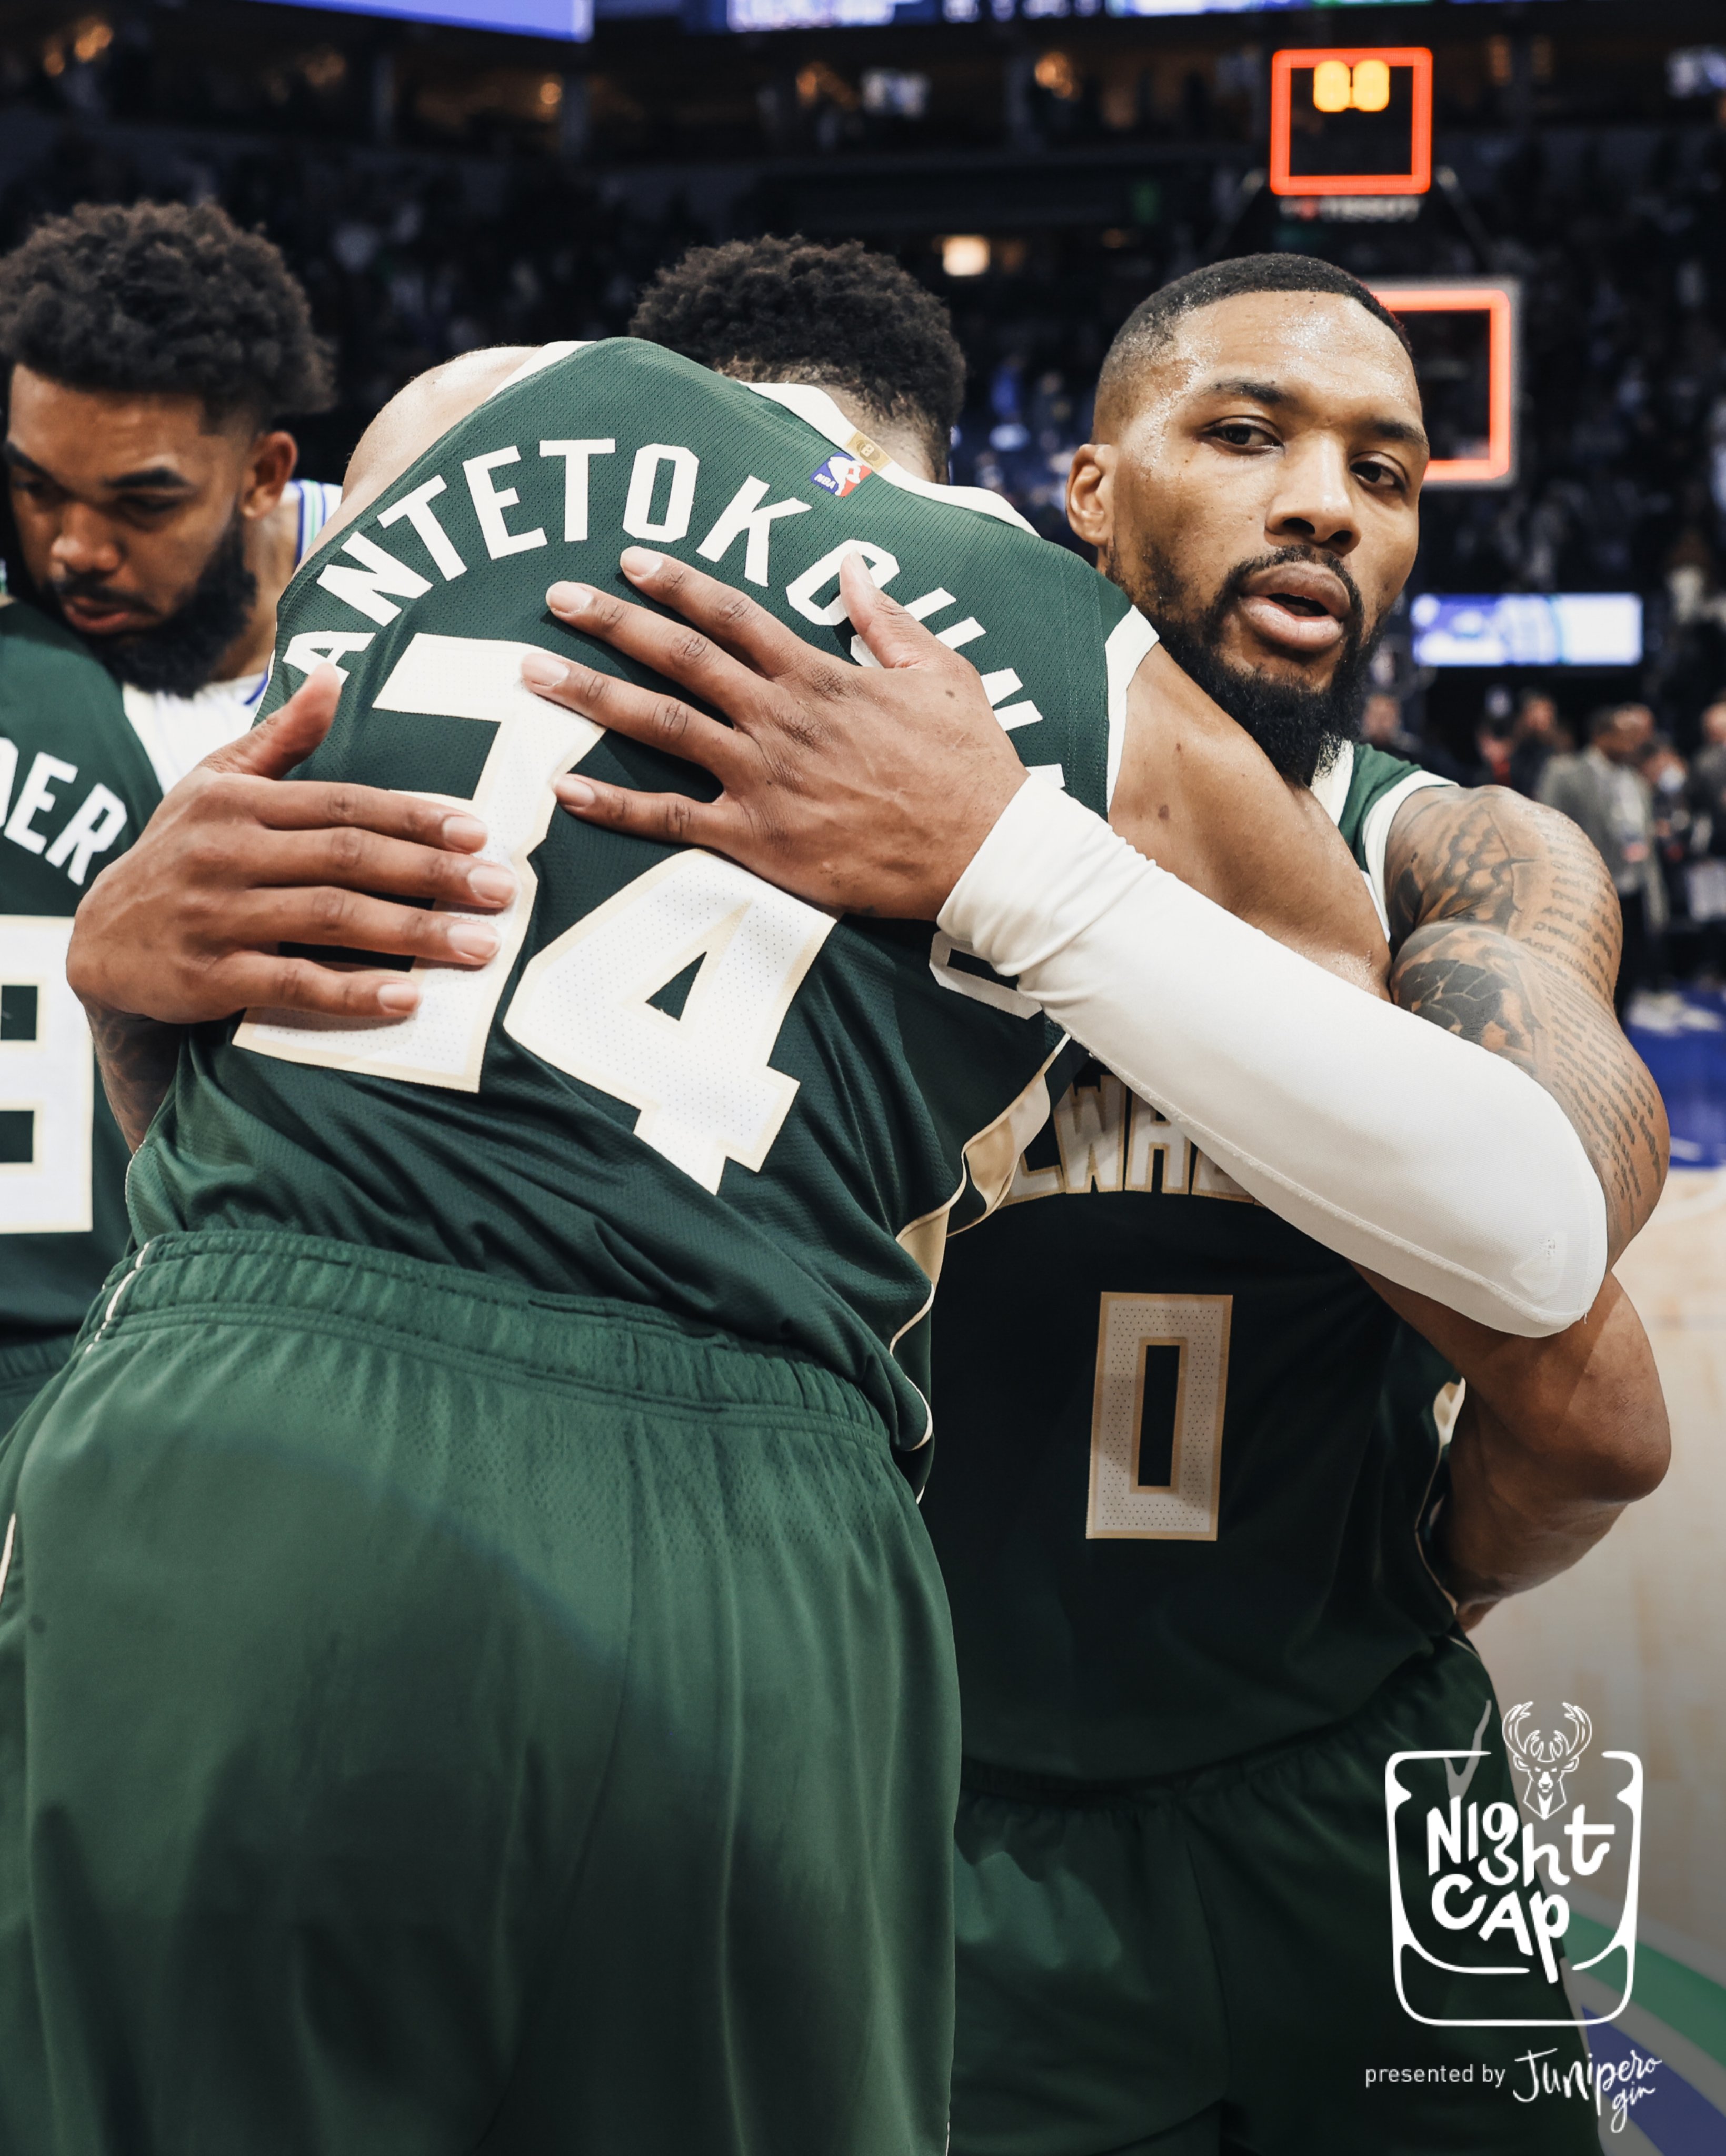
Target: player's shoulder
(1377,784)
(1376,770)
(74,781)
(41,658)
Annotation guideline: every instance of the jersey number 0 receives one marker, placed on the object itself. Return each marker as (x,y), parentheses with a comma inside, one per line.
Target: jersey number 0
(1156,1416)
(703,1082)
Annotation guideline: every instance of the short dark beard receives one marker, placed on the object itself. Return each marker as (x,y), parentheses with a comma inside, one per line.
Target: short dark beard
(1300,729)
(177,657)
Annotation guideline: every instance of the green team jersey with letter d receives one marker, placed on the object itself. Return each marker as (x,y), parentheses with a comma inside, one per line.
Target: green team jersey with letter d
(76,789)
(1183,1448)
(674,1085)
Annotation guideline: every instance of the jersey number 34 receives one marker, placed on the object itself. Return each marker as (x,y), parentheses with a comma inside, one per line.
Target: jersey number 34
(702,1083)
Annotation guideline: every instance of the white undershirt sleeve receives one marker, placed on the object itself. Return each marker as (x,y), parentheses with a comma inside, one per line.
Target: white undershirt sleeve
(1400,1146)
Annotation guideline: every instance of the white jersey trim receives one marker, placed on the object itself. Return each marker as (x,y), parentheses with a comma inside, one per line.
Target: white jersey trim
(319,500)
(1330,787)
(1330,790)
(817,409)
(1130,643)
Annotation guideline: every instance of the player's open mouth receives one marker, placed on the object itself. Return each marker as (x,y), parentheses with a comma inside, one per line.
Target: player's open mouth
(1302,608)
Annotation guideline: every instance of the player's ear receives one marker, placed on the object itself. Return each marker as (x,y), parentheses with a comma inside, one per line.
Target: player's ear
(270,467)
(1091,493)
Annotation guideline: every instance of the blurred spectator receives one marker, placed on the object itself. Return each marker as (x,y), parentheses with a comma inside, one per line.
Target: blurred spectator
(1705,878)
(1381,726)
(1492,739)
(1708,780)
(1602,790)
(1535,739)
(1667,778)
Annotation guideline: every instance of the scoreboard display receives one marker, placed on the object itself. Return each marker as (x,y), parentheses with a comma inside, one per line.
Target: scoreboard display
(1352,120)
(1528,628)
(748,15)
(1238,7)
(541,18)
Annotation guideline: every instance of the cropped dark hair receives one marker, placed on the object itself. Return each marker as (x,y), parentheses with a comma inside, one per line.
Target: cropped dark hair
(1151,324)
(160,297)
(841,317)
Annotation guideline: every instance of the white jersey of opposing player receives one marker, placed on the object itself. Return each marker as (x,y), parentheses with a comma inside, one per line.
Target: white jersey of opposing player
(179,732)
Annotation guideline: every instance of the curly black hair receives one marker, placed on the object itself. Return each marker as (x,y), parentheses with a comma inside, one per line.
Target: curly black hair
(160,297)
(1151,324)
(840,316)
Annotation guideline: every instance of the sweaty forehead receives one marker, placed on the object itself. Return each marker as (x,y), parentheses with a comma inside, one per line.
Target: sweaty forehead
(1321,347)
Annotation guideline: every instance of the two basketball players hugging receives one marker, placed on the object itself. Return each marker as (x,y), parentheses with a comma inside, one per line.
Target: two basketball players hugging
(464,1579)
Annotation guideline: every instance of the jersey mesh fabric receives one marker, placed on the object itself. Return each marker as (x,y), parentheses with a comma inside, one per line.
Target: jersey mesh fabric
(64,746)
(549,1156)
(1115,1630)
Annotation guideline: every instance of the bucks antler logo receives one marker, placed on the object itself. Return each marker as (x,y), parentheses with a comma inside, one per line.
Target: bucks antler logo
(1546,1762)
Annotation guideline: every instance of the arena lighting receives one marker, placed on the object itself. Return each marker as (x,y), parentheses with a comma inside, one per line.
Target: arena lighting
(1352,78)
(964,254)
(1497,301)
(540,19)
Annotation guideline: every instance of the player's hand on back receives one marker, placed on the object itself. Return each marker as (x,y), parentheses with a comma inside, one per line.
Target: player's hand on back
(866,789)
(870,787)
(186,927)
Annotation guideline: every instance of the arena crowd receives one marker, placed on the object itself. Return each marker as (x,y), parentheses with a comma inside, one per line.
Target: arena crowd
(1619,241)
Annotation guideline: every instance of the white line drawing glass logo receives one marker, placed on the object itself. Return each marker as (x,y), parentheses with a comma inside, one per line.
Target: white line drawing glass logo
(1478,1909)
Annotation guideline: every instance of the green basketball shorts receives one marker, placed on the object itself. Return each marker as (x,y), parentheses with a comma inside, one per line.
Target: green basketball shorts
(437,1718)
(1203,1966)
(25,1368)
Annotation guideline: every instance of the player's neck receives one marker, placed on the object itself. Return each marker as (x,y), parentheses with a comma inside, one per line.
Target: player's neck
(272,548)
(902,444)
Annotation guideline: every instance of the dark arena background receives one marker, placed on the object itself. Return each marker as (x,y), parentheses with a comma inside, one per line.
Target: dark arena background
(1538,189)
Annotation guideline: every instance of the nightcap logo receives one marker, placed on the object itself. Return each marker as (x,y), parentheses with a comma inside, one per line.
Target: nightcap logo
(1477,1911)
(841,476)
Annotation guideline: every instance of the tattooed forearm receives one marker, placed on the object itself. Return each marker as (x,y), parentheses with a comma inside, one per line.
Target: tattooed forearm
(1508,931)
(137,1058)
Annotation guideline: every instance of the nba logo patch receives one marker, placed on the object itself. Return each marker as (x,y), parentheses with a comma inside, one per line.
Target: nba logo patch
(840,475)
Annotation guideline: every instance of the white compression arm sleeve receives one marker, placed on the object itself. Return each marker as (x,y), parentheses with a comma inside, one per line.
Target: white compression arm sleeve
(1401,1145)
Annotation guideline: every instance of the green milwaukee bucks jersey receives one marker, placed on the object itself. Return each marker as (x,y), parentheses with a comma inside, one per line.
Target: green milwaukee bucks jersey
(1174,1522)
(675,1084)
(76,789)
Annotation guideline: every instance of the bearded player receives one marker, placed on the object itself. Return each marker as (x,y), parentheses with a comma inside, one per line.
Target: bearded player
(148,352)
(1195,1619)
(152,352)
(1181,1681)
(523,1333)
